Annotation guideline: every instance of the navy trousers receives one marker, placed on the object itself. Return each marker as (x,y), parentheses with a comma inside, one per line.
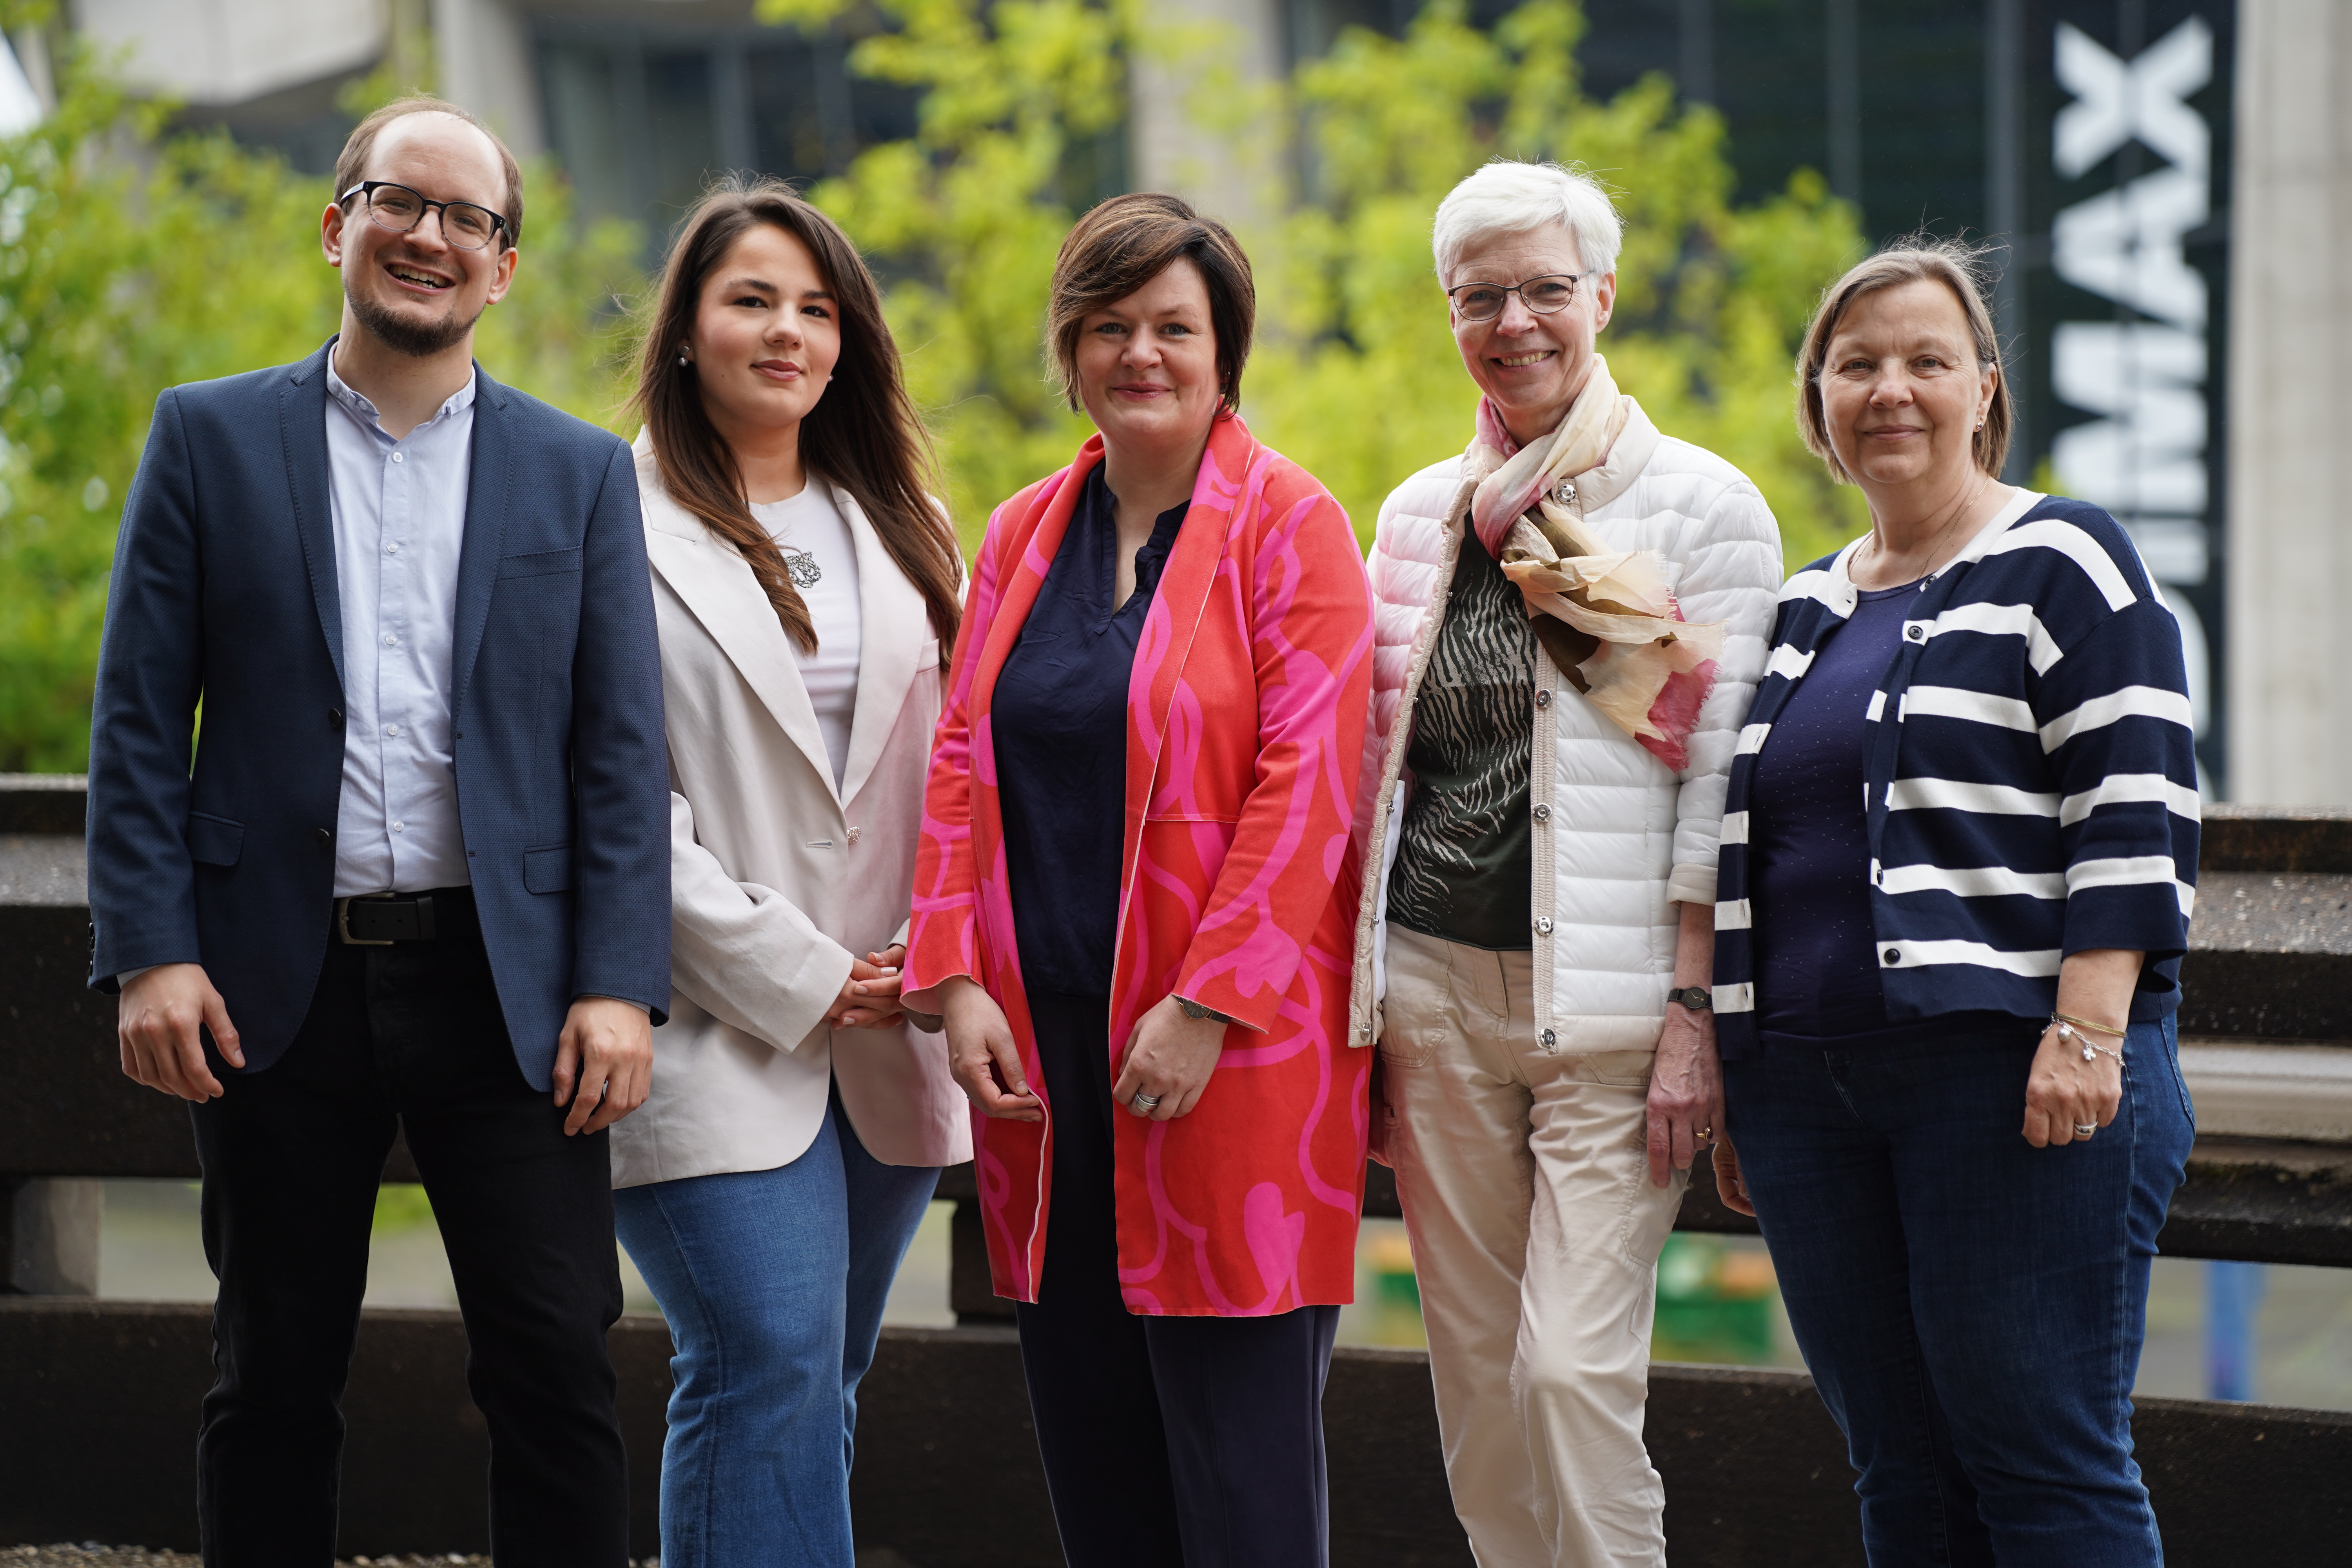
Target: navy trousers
(1971,1307)
(406,1038)
(1168,1442)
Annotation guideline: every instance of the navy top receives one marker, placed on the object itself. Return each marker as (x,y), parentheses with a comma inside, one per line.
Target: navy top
(1059,724)
(1817,976)
(2032,772)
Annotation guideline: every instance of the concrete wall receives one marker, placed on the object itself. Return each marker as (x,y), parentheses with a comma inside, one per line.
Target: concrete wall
(225,51)
(482,54)
(2290,553)
(1204,72)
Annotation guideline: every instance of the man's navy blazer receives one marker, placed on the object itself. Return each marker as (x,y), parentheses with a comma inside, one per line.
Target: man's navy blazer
(225,593)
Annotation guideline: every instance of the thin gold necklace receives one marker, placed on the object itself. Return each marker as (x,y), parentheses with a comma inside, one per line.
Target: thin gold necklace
(1937,562)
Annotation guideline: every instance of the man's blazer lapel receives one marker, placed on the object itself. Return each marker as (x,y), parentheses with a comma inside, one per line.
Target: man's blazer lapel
(489,491)
(894,625)
(302,430)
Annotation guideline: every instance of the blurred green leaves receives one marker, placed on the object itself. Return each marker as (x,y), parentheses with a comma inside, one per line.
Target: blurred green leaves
(1354,374)
(133,260)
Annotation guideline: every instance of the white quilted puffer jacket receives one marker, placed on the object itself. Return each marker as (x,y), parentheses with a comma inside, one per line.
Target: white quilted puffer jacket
(1627,837)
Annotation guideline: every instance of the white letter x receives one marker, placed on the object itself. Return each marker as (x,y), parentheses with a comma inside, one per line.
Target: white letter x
(2114,101)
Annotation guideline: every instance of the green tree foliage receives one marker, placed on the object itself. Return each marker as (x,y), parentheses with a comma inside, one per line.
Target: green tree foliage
(1359,379)
(133,260)
(1354,374)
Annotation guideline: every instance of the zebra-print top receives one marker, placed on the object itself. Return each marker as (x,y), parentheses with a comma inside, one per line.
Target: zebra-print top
(1464,849)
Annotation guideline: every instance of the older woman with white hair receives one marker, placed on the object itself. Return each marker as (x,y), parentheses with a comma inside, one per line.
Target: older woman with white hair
(1571,618)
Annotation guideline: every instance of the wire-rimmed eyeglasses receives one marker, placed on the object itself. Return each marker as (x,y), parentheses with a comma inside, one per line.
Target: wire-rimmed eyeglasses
(1546,295)
(466,224)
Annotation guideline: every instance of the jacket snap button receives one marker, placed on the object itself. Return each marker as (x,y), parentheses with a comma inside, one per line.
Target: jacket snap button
(1543,813)
(1916,633)
(1550,1039)
(1894,955)
(1543,698)
(325,835)
(1543,925)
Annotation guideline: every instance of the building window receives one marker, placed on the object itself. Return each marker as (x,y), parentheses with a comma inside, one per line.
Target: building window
(641,117)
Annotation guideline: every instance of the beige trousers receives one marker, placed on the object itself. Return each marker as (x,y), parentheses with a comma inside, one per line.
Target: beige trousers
(1536,1233)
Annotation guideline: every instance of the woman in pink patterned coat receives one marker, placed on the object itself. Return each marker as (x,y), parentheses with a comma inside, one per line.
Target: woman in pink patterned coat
(1134,906)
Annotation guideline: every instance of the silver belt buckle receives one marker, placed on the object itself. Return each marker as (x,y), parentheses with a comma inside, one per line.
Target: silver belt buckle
(343,920)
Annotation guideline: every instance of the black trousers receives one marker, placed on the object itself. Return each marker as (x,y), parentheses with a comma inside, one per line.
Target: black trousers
(409,1036)
(1168,1442)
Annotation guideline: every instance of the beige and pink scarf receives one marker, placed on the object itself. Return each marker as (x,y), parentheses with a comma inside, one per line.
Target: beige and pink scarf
(1606,617)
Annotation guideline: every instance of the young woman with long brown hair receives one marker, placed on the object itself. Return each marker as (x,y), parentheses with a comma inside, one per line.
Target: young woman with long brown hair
(805,584)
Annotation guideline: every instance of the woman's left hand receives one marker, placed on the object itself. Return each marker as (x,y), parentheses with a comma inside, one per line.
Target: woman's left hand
(876,980)
(1170,1056)
(1685,1092)
(2062,1092)
(2065,1092)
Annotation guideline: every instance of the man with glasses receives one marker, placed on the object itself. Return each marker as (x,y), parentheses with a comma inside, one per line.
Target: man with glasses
(417,881)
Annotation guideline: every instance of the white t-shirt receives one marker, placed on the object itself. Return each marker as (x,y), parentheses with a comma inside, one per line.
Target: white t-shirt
(818,543)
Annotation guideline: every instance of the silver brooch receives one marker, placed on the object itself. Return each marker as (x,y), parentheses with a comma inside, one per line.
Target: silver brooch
(806,573)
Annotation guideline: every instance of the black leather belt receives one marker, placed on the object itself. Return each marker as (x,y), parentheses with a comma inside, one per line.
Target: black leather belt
(382,919)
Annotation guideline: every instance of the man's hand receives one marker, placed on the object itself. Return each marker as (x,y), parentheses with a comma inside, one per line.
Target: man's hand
(606,1054)
(156,1022)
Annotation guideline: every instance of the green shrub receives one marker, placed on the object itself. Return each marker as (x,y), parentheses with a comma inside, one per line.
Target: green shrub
(1354,374)
(133,259)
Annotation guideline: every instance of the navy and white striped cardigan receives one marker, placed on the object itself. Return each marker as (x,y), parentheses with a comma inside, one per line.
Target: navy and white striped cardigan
(2031,786)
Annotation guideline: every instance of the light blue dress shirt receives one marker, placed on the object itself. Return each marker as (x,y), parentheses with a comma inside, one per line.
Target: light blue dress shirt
(399,511)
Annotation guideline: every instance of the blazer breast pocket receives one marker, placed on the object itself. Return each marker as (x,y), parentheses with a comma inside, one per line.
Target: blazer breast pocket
(214,840)
(548,870)
(542,563)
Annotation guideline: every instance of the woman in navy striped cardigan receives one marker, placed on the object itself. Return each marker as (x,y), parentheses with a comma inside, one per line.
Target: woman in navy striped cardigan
(1958,861)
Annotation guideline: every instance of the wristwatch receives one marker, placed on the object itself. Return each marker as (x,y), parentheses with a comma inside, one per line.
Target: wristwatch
(1697,998)
(1194,1010)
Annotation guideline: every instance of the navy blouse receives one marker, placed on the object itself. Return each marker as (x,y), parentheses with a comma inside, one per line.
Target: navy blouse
(1059,726)
(1816,946)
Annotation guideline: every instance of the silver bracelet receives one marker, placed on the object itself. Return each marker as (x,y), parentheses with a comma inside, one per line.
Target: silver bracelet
(2091,1048)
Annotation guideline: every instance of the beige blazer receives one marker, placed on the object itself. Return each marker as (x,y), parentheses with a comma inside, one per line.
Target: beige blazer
(777,878)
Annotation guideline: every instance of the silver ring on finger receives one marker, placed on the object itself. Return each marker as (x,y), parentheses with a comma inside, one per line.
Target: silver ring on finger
(2084,1129)
(1143,1104)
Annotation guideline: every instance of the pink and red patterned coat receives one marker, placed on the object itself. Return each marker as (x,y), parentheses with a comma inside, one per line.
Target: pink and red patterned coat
(1245,723)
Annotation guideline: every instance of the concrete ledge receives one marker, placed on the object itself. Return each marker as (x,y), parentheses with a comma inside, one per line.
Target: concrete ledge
(100,1404)
(44,803)
(2259,1200)
(2254,1089)
(2275,839)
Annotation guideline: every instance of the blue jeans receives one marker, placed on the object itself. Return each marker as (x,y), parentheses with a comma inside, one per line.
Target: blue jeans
(774,1283)
(1971,1307)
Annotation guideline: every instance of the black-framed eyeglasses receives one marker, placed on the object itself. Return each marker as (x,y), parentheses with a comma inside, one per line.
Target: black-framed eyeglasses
(466,224)
(1545,295)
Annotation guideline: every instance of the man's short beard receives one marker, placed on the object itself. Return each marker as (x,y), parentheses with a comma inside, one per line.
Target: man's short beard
(403,335)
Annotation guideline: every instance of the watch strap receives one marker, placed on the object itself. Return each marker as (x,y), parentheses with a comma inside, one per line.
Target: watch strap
(1195,1010)
(1697,998)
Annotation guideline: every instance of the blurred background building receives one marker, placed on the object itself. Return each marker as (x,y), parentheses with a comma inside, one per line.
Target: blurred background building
(2171,178)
